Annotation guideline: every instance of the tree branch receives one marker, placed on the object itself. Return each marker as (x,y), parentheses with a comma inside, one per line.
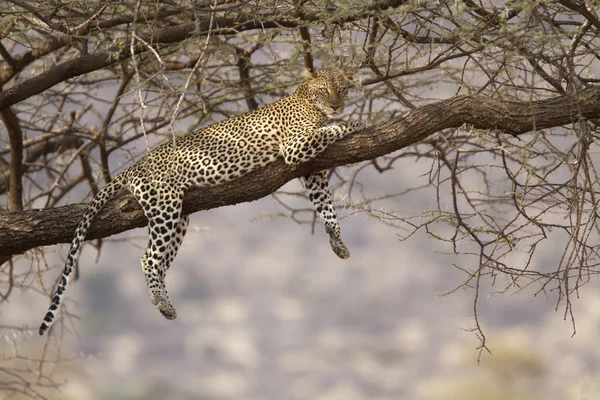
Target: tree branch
(83,65)
(25,230)
(55,42)
(244,65)
(49,146)
(173,34)
(15,138)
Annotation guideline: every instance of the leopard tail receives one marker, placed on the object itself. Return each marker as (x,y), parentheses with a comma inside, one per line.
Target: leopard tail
(107,193)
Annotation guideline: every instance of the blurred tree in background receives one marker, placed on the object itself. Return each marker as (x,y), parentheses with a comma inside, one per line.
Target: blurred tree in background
(498,100)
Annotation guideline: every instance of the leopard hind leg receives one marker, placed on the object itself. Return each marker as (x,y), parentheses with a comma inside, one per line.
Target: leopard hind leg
(175,243)
(163,209)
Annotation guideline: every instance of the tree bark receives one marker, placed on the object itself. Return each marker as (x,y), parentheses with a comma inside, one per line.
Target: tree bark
(25,230)
(15,138)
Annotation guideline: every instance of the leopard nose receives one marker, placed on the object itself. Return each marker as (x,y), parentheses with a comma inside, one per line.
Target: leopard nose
(336,101)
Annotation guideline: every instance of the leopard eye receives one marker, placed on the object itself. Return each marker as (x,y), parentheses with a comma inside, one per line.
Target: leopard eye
(324,91)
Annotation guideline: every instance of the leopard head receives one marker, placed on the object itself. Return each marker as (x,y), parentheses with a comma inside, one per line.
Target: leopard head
(326,90)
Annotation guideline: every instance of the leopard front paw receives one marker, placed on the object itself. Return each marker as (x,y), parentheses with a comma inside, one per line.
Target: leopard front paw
(350,127)
(167,310)
(357,125)
(162,302)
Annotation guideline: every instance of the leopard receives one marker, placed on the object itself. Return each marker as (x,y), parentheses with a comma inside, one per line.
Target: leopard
(296,128)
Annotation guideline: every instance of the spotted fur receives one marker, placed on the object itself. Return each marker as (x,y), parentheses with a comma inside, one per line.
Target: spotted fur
(294,128)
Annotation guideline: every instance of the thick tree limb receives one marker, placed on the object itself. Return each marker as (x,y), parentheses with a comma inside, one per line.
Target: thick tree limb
(25,230)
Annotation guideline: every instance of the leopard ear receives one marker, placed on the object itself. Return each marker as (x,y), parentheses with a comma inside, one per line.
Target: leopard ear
(307,74)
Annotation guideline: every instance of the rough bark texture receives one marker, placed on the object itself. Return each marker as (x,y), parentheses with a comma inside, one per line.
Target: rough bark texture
(25,230)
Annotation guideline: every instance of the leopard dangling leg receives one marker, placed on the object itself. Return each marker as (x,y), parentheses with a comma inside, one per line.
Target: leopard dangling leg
(317,186)
(175,243)
(163,210)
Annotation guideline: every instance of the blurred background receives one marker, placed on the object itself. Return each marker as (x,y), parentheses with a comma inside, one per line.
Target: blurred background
(473,254)
(267,311)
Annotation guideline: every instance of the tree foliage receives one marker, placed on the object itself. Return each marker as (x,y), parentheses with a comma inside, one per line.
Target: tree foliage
(499,99)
